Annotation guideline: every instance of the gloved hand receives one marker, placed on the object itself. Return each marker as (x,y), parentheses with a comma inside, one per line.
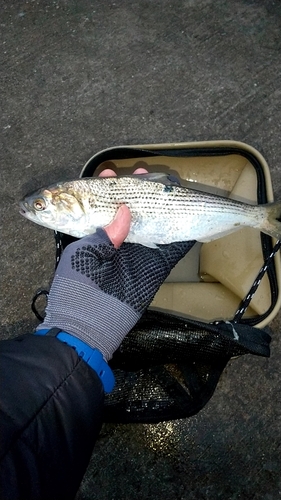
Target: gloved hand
(100,291)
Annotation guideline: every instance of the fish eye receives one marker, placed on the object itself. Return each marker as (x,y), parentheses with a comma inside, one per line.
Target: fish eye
(39,204)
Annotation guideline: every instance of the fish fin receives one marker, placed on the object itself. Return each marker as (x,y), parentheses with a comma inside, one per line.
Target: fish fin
(219,235)
(271,225)
(145,243)
(167,179)
(149,244)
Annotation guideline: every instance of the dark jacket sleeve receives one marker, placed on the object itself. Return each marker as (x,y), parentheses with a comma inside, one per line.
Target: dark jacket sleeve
(51,405)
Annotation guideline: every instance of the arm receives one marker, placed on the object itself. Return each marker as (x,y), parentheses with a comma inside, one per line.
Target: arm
(51,414)
(51,400)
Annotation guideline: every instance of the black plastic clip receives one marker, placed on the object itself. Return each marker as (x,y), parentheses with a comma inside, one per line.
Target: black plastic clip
(34,300)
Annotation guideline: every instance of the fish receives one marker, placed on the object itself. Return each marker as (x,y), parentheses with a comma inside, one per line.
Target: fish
(162,210)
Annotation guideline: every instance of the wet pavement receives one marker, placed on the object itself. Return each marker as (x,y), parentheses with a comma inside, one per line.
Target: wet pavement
(77,77)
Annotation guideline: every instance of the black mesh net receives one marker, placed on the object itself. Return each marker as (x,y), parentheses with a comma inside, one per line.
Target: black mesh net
(162,392)
(168,367)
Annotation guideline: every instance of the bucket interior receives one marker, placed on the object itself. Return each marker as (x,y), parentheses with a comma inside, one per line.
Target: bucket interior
(210,282)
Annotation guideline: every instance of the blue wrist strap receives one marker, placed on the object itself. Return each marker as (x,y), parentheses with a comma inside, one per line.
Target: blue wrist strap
(93,357)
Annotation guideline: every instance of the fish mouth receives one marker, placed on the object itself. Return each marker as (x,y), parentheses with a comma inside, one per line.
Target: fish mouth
(23,210)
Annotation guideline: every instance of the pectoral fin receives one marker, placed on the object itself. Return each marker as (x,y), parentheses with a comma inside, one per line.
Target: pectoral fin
(146,243)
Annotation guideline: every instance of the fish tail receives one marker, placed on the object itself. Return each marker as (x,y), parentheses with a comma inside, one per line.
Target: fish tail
(271,224)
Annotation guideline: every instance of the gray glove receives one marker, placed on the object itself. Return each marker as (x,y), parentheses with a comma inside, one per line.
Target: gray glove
(100,292)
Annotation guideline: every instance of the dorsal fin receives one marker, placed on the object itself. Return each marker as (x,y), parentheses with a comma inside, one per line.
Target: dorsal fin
(167,179)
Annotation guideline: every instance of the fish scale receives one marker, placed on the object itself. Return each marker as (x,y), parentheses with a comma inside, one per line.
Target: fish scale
(162,210)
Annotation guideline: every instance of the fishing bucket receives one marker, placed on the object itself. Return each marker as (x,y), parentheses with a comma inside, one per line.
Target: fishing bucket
(216,302)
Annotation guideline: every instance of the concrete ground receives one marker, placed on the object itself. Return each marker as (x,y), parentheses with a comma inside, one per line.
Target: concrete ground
(77,77)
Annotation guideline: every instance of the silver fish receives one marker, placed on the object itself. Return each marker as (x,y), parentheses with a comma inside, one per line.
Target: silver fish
(162,210)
